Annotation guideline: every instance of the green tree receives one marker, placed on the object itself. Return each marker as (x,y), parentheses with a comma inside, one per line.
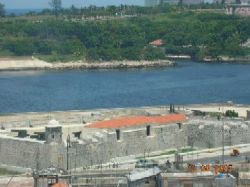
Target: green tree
(56,5)
(153,53)
(2,10)
(231,113)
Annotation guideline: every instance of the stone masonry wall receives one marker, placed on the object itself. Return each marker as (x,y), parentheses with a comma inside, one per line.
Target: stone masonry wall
(133,141)
(101,147)
(208,134)
(28,154)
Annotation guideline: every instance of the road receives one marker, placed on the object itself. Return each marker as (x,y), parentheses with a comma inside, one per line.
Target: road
(218,159)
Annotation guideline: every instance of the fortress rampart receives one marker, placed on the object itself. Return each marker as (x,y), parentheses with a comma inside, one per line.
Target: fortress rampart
(82,145)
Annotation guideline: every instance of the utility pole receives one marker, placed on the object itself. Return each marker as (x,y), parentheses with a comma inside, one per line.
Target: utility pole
(221,117)
(75,156)
(223,141)
(68,145)
(223,137)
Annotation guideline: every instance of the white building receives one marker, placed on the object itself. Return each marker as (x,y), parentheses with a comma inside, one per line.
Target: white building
(150,3)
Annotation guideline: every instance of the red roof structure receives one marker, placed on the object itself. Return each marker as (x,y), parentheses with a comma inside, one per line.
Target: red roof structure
(157,43)
(139,120)
(60,185)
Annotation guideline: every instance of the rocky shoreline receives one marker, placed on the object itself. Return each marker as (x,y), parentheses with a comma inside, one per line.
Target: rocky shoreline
(8,64)
(113,64)
(226,59)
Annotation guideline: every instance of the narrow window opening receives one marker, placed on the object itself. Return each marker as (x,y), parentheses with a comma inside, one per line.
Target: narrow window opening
(148,130)
(118,134)
(77,134)
(53,136)
(179,125)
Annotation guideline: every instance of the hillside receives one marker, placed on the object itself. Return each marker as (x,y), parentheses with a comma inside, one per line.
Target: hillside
(71,37)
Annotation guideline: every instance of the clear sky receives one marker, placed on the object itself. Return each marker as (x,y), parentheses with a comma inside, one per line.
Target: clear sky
(38,4)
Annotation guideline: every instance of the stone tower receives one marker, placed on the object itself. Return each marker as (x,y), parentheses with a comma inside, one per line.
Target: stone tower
(53,132)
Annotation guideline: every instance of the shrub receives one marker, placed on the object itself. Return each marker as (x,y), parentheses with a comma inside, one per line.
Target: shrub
(231,113)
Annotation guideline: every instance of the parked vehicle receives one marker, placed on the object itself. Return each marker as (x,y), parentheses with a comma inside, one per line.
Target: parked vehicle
(235,152)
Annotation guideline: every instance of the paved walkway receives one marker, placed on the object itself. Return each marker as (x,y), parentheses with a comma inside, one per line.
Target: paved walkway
(205,155)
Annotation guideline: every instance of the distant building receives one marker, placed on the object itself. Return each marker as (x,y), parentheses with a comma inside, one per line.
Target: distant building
(244,179)
(192,2)
(171,1)
(50,177)
(225,180)
(238,9)
(157,43)
(152,3)
(203,179)
(60,185)
(145,177)
(245,2)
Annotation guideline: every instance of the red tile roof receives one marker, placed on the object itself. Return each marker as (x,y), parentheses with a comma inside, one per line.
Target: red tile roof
(60,185)
(157,43)
(139,120)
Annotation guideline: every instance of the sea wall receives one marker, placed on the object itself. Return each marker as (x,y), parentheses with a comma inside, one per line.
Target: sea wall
(209,133)
(101,149)
(21,153)
(135,141)
(97,149)
(98,146)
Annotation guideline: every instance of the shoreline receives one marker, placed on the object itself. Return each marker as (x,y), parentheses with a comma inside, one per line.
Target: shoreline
(32,63)
(207,107)
(21,64)
(207,59)
(226,59)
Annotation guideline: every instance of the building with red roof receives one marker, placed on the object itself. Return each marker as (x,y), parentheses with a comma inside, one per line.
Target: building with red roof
(139,121)
(90,138)
(157,43)
(60,185)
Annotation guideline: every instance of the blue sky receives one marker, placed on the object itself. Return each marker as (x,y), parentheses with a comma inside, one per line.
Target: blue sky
(37,4)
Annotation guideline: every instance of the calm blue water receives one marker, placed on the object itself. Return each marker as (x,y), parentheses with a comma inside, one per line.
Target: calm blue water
(67,90)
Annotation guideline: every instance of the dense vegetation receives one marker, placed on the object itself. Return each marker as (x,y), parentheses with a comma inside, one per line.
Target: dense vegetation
(231,113)
(74,35)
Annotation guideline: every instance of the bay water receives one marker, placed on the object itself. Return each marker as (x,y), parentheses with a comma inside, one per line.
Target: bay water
(187,83)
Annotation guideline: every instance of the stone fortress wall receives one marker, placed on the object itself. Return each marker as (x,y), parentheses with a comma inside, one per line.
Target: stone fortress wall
(207,133)
(95,149)
(97,146)
(15,152)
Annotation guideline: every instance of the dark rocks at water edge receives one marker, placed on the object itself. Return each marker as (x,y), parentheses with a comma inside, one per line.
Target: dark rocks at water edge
(113,64)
